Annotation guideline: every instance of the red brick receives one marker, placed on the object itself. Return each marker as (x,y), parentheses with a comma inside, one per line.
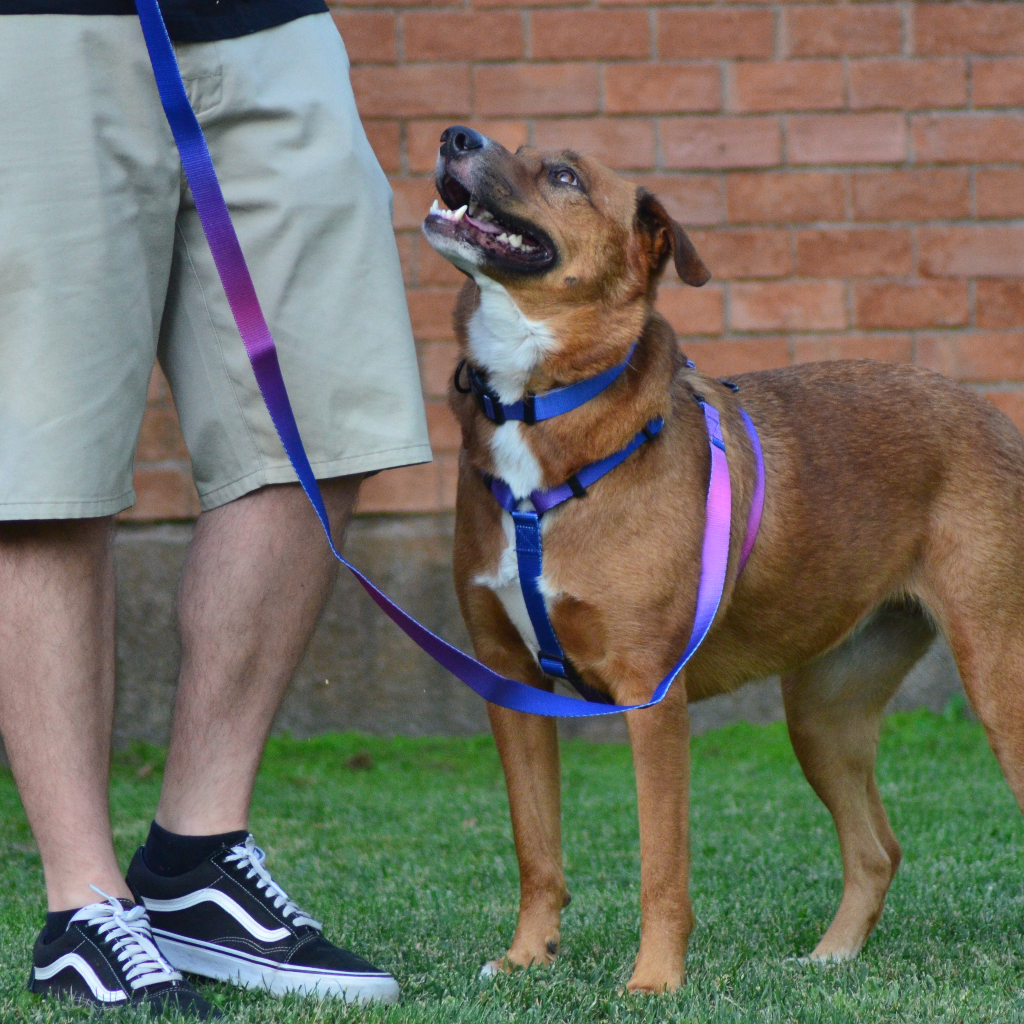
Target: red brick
(786,85)
(890,348)
(417,91)
(159,389)
(928,194)
(890,304)
(532,89)
(589,34)
(787,306)
(437,364)
(444,429)
(423,139)
(430,310)
(999,193)
(722,358)
(857,252)
(393,3)
(689,198)
(385,138)
(160,436)
(661,88)
(1011,404)
(620,143)
(968,28)
(1000,303)
(998,83)
(975,251)
(745,252)
(407,489)
(833,30)
(968,138)
(785,197)
(413,197)
(692,310)
(908,84)
(716,142)
(432,268)
(716,33)
(466,35)
(163,492)
(847,139)
(974,357)
(368,37)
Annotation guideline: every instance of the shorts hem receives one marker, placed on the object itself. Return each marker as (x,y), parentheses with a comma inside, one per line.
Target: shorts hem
(282,472)
(88,509)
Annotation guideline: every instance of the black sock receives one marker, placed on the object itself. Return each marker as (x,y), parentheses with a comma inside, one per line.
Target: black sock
(167,853)
(57,922)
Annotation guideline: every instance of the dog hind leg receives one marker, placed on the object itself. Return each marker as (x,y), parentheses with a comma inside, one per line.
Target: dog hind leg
(834,707)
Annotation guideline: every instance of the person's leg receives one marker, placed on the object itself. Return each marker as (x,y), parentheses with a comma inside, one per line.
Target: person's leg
(57,696)
(258,573)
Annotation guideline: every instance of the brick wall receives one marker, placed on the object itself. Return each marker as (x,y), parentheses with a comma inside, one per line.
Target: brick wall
(851,173)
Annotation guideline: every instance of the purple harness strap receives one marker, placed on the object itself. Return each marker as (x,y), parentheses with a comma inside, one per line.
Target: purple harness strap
(245,307)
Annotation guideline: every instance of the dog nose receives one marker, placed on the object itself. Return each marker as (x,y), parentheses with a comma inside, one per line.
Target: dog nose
(458,141)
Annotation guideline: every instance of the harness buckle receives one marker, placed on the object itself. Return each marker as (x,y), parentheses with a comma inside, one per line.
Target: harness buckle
(578,490)
(529,410)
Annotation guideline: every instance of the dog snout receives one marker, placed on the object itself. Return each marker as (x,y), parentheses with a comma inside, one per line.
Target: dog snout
(458,141)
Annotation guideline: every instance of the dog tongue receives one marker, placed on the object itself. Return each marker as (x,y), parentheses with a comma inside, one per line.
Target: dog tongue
(480,225)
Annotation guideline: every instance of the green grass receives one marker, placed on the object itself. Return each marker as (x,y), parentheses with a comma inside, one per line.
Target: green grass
(403,848)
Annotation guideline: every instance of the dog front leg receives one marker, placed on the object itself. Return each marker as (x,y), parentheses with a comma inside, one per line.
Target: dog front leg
(661,760)
(528,746)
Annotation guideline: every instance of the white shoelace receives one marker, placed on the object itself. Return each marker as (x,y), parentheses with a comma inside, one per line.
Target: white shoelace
(249,855)
(128,934)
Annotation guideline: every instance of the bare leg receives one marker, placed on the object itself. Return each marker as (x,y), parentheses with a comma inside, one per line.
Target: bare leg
(256,579)
(834,710)
(660,738)
(57,696)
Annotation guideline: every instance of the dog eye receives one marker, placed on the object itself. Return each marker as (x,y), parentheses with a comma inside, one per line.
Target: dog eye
(565,176)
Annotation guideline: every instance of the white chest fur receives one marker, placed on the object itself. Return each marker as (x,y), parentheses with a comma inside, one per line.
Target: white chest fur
(508,345)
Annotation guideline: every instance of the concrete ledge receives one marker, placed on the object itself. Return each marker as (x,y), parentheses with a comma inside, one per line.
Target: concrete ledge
(361,672)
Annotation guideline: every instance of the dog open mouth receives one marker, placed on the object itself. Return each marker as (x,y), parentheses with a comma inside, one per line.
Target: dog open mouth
(494,234)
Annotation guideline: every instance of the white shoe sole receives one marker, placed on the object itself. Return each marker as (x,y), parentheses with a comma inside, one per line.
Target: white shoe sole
(210,961)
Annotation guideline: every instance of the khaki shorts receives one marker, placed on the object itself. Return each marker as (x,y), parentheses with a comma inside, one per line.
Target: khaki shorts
(103,265)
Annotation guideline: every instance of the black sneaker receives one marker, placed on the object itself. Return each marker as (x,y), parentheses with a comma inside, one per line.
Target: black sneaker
(228,919)
(107,957)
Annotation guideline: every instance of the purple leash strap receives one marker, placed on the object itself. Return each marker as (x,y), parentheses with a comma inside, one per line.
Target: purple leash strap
(252,326)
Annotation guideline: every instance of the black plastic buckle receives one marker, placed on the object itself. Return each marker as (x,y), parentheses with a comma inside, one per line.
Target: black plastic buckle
(730,384)
(458,373)
(484,395)
(529,410)
(578,490)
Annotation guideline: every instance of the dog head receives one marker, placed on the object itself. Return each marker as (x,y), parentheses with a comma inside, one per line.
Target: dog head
(552,228)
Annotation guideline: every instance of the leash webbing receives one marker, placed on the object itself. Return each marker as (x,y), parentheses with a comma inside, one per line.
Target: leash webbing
(259,345)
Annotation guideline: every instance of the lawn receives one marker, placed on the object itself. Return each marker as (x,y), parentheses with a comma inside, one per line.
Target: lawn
(403,848)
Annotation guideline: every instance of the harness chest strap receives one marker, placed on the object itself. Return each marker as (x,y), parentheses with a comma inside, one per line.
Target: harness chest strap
(259,346)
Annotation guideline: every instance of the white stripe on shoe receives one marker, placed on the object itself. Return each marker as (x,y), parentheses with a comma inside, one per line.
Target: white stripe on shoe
(213,961)
(89,976)
(227,904)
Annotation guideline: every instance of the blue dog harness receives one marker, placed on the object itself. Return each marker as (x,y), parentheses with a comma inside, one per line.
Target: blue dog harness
(529,546)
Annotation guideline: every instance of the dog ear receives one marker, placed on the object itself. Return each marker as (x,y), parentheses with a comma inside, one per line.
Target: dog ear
(663,237)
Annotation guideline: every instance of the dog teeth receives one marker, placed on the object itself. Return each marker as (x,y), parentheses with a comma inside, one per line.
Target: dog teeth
(459,214)
(503,237)
(453,215)
(516,241)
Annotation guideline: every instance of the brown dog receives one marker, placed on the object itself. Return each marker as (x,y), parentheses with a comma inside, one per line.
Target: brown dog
(893,508)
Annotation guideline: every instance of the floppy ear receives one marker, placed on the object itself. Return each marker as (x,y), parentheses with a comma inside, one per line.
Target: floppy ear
(663,236)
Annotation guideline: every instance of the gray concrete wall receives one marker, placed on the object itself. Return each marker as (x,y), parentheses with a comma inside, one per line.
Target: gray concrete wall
(361,672)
